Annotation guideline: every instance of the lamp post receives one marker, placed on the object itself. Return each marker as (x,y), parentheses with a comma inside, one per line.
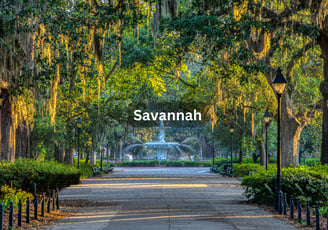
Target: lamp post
(278,83)
(101,159)
(267,118)
(79,126)
(231,129)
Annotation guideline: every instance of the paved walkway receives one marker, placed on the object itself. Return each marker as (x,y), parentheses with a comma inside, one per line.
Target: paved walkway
(162,198)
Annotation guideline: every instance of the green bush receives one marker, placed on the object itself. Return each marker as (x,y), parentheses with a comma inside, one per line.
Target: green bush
(154,163)
(248,160)
(219,161)
(23,173)
(10,194)
(197,163)
(312,161)
(85,169)
(305,182)
(247,169)
(138,163)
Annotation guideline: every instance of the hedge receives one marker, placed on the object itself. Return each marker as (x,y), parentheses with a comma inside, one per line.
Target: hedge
(304,181)
(23,173)
(138,163)
(251,168)
(154,163)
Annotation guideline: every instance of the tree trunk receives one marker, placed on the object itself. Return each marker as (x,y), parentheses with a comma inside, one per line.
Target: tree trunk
(112,153)
(240,154)
(8,133)
(261,146)
(23,141)
(121,150)
(69,156)
(255,156)
(324,91)
(87,158)
(108,152)
(290,133)
(207,150)
(260,142)
(58,154)
(291,128)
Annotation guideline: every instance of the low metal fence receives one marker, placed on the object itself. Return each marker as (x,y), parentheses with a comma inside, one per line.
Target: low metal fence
(37,207)
(309,211)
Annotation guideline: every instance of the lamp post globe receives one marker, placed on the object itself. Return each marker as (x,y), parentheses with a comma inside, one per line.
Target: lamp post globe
(279,82)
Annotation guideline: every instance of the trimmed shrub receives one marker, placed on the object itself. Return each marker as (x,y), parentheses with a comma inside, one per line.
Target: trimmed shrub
(138,163)
(305,182)
(246,169)
(154,163)
(312,161)
(23,173)
(225,161)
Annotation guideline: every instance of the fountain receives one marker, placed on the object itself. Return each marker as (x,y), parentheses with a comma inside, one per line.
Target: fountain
(162,148)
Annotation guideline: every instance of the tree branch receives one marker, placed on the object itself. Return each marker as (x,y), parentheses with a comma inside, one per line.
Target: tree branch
(111,72)
(186,83)
(300,53)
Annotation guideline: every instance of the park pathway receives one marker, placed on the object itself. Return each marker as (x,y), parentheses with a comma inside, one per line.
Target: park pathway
(162,199)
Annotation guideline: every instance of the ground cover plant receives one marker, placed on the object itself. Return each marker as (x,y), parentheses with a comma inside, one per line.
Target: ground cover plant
(8,194)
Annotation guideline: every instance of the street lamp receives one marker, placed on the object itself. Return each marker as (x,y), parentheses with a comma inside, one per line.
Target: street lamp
(278,83)
(101,159)
(267,118)
(231,129)
(79,126)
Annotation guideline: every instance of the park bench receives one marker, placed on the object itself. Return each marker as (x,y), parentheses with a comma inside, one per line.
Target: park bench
(95,171)
(227,170)
(214,168)
(109,169)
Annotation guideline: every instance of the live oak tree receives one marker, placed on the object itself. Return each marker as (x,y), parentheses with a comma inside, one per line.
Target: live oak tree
(64,56)
(256,35)
(50,47)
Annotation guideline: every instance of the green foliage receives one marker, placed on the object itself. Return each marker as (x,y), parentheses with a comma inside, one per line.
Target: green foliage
(154,163)
(23,173)
(312,161)
(86,169)
(305,182)
(323,208)
(219,161)
(44,137)
(246,169)
(186,163)
(8,194)
(137,163)
(249,168)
